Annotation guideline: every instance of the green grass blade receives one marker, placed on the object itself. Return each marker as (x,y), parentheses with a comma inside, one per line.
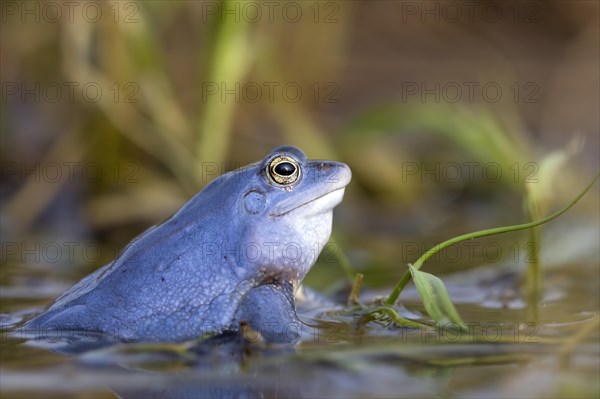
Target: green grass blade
(233,57)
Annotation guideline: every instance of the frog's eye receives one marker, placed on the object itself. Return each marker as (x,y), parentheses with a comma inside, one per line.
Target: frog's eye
(284,170)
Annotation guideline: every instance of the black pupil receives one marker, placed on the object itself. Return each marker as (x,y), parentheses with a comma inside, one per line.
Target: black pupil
(285,169)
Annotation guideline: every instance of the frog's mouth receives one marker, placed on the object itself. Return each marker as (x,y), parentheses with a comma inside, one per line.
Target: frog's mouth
(321,204)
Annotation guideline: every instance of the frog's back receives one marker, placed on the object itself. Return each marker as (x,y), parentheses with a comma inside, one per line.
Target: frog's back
(149,292)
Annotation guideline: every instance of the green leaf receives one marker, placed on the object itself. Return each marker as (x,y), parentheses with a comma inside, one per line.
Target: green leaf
(435,297)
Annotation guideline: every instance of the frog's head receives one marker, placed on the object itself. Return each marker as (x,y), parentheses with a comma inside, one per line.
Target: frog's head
(286,213)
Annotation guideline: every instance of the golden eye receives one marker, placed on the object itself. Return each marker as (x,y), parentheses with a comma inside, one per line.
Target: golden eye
(284,170)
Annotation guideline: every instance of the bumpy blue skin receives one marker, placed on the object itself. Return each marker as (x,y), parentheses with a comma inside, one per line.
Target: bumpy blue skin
(236,252)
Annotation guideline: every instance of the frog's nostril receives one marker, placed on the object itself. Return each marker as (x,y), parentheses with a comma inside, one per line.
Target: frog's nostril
(323,166)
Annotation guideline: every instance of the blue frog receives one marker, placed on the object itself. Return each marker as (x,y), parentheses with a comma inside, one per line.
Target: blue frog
(234,254)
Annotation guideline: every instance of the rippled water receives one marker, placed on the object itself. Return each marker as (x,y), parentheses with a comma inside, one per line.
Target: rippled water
(503,354)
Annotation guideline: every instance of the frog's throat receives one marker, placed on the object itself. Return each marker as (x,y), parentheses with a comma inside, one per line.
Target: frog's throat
(285,212)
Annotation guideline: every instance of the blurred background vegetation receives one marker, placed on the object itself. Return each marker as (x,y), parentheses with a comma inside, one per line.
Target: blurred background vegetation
(138,105)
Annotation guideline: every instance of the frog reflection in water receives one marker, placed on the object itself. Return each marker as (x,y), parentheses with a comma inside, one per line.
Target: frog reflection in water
(236,252)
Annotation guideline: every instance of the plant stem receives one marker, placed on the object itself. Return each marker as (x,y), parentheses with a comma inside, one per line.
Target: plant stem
(533,278)
(393,297)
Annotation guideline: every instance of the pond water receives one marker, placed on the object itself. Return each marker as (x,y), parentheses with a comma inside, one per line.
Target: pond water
(508,351)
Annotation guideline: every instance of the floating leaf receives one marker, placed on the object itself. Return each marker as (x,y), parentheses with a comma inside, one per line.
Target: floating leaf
(435,297)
